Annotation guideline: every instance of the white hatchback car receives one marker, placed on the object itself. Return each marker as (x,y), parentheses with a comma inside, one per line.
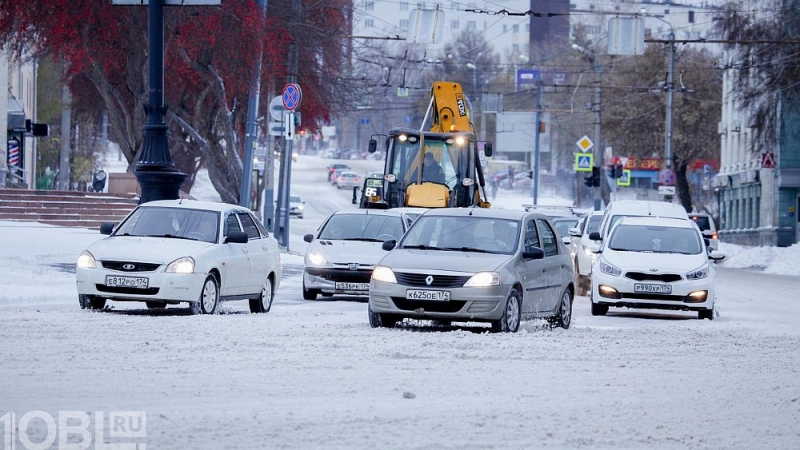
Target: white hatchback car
(173,251)
(654,262)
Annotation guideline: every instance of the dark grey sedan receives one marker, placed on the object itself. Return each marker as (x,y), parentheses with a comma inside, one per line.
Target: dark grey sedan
(474,265)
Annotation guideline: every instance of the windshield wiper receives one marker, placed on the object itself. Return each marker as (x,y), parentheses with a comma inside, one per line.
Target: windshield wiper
(467,249)
(365,239)
(171,236)
(422,247)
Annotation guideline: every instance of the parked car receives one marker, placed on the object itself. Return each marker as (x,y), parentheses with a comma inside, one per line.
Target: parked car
(333,167)
(161,254)
(706,224)
(473,264)
(583,250)
(340,258)
(348,179)
(654,262)
(296,206)
(638,208)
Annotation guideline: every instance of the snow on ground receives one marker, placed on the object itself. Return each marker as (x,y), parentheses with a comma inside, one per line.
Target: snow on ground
(314,375)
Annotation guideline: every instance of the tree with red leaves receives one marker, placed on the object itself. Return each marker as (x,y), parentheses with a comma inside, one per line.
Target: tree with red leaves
(209,59)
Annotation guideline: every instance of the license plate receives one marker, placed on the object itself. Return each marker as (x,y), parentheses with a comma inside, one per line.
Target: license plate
(652,288)
(134,282)
(422,294)
(352,286)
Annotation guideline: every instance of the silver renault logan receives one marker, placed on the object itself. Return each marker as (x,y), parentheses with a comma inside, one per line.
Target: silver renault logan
(474,265)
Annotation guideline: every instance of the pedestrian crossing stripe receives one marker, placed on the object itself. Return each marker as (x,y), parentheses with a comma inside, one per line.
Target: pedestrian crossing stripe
(584,162)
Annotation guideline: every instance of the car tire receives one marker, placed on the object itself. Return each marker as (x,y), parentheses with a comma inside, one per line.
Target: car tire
(155,305)
(209,297)
(512,314)
(377,320)
(599,310)
(91,302)
(263,303)
(564,316)
(706,314)
(309,294)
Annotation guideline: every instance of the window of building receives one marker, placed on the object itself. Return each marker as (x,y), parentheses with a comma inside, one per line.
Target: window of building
(369,5)
(404,24)
(505,28)
(454,6)
(369,23)
(515,29)
(666,11)
(691,16)
(515,48)
(472,25)
(454,24)
(403,6)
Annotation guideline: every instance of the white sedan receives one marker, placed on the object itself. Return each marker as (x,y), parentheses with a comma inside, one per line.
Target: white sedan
(173,251)
(654,262)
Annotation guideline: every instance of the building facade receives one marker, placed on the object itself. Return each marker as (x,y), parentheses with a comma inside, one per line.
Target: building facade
(17,110)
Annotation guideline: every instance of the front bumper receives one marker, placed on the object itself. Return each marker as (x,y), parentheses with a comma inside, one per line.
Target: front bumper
(465,304)
(678,299)
(326,279)
(160,285)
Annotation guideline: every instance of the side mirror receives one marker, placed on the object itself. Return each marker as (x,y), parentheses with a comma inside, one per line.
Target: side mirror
(716,256)
(107,228)
(308,238)
(575,232)
(236,237)
(595,236)
(373,146)
(533,253)
(566,240)
(389,245)
(487,148)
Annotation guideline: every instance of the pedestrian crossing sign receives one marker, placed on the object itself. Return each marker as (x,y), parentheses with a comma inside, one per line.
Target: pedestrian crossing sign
(625,179)
(584,162)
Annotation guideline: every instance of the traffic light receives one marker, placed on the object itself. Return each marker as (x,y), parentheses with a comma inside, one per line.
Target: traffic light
(618,168)
(592,180)
(611,170)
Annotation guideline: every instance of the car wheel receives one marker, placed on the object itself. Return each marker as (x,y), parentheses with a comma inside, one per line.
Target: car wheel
(599,310)
(91,302)
(706,314)
(155,305)
(377,320)
(309,294)
(564,316)
(209,297)
(509,322)
(263,303)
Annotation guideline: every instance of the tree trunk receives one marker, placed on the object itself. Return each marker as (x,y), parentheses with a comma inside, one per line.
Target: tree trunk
(682,185)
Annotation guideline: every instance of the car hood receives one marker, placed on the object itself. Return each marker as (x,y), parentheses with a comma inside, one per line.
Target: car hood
(468,262)
(346,252)
(145,249)
(645,262)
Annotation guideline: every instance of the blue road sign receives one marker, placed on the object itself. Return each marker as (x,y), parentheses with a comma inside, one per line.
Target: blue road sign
(292,96)
(584,162)
(365,121)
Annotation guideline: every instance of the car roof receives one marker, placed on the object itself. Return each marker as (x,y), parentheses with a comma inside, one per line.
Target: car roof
(662,221)
(509,214)
(397,212)
(653,208)
(196,204)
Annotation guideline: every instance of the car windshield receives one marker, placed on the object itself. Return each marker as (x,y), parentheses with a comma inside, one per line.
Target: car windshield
(563,226)
(295,199)
(470,234)
(655,239)
(362,227)
(178,223)
(594,223)
(702,222)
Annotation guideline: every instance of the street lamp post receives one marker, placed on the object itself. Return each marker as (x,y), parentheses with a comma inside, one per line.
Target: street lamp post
(669,87)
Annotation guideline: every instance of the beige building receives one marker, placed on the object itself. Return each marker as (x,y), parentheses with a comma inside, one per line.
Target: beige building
(17,107)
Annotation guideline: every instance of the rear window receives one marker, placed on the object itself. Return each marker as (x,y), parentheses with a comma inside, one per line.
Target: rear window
(702,222)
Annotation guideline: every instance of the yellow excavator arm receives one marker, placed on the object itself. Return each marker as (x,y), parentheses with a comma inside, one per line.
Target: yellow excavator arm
(450,112)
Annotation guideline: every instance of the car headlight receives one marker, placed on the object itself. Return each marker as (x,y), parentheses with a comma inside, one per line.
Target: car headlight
(181,265)
(609,269)
(383,273)
(317,259)
(86,260)
(300,207)
(699,273)
(483,279)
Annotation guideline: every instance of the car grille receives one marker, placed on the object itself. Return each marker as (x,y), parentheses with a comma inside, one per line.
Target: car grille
(137,266)
(343,275)
(665,277)
(439,281)
(126,290)
(428,306)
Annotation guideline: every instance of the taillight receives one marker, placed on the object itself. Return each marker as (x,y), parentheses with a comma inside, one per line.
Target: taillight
(714,236)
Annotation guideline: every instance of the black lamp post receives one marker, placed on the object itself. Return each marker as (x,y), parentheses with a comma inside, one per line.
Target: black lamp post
(157,175)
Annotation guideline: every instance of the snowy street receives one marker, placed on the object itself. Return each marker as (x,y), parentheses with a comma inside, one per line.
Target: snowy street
(313,374)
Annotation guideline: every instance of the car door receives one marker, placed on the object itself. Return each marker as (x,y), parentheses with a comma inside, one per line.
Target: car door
(555,265)
(236,270)
(257,248)
(533,271)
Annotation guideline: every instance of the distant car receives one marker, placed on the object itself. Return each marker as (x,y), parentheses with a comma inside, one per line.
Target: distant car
(161,254)
(583,256)
(333,167)
(706,224)
(340,258)
(563,224)
(348,179)
(296,206)
(654,262)
(474,265)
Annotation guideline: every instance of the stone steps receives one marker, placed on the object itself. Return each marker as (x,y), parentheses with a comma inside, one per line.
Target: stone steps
(65,208)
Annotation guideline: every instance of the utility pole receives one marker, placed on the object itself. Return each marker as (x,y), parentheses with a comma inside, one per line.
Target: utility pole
(598,154)
(670,90)
(252,127)
(66,120)
(536,149)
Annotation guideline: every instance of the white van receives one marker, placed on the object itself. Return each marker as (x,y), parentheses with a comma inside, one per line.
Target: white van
(638,208)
